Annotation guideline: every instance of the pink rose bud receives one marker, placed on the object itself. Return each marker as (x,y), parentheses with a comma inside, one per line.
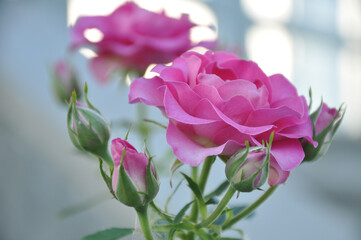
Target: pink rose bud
(133,38)
(64,80)
(88,130)
(248,169)
(135,181)
(326,122)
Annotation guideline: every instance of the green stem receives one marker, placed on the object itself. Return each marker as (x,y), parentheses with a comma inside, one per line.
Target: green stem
(205,172)
(144,222)
(194,212)
(219,209)
(105,156)
(250,208)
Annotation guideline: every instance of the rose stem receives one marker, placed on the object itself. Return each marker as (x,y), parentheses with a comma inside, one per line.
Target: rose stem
(250,208)
(219,209)
(144,222)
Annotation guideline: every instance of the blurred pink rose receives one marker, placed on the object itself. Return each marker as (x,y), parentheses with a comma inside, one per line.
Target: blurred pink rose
(64,80)
(216,101)
(133,38)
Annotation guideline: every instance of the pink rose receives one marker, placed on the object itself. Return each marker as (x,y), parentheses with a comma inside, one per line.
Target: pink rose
(216,101)
(134,38)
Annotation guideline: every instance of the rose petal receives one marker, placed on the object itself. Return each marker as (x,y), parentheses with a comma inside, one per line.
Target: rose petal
(276,174)
(186,150)
(148,91)
(288,153)
(281,88)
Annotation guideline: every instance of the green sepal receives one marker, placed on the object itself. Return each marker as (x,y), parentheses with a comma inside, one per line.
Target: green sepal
(152,182)
(125,191)
(91,106)
(73,136)
(237,159)
(314,116)
(106,178)
(198,194)
(109,234)
(324,138)
(234,171)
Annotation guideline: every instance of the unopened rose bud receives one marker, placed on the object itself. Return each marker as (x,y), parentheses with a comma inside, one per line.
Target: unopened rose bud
(135,181)
(326,122)
(248,169)
(88,130)
(64,81)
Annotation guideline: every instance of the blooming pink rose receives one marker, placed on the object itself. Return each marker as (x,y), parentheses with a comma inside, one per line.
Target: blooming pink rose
(216,101)
(134,38)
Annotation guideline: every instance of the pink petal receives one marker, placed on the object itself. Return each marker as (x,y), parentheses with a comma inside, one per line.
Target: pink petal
(276,174)
(186,150)
(210,79)
(149,91)
(281,88)
(175,111)
(209,92)
(303,130)
(238,109)
(266,116)
(288,153)
(103,67)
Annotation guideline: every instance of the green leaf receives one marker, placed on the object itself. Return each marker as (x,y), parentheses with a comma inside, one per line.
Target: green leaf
(179,218)
(197,193)
(109,234)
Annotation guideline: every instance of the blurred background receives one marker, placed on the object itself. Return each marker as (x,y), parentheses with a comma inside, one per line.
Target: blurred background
(42,178)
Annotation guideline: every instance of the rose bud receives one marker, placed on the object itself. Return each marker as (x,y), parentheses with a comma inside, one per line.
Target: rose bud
(88,130)
(64,81)
(248,169)
(326,122)
(135,181)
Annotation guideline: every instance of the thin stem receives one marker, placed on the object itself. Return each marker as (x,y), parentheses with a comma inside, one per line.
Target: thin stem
(144,222)
(219,209)
(250,208)
(205,172)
